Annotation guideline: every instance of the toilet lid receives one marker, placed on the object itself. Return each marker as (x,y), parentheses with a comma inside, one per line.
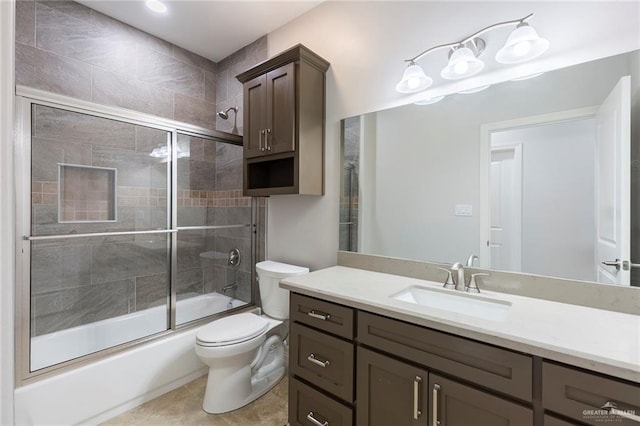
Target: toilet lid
(232,329)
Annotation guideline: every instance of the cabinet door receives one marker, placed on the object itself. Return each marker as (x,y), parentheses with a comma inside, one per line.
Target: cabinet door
(454,404)
(281,109)
(389,392)
(254,116)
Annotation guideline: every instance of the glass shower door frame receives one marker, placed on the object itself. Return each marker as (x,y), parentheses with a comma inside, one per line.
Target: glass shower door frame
(24,101)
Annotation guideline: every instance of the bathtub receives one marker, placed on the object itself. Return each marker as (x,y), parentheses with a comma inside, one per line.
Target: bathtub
(53,348)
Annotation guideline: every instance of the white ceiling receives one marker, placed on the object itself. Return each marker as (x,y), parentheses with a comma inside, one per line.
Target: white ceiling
(211,28)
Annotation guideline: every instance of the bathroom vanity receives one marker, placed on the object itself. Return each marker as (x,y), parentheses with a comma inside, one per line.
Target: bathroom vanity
(366,348)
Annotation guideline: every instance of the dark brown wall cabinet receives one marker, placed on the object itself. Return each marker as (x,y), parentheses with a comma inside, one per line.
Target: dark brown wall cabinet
(284,114)
(410,375)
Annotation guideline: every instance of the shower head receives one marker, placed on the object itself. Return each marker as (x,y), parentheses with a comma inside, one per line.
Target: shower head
(225,113)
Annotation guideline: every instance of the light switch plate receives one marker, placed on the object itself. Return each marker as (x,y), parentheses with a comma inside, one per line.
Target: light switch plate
(464,210)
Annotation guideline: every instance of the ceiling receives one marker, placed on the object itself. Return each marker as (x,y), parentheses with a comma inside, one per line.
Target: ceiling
(211,28)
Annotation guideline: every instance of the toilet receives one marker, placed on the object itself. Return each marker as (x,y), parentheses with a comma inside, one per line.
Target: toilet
(244,352)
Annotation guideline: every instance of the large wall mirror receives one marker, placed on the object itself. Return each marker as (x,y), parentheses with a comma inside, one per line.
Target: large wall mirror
(540,176)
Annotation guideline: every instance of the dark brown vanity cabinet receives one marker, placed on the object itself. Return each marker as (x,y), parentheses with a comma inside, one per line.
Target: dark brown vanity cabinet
(284,115)
(404,382)
(389,392)
(321,362)
(587,397)
(372,370)
(455,404)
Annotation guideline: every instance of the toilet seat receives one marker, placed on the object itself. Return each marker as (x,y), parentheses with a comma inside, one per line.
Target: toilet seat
(231,330)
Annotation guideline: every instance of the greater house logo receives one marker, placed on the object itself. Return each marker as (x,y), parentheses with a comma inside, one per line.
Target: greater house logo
(608,413)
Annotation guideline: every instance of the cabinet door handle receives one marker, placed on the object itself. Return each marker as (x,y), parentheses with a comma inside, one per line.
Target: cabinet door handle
(318,315)
(613,409)
(312,358)
(262,132)
(416,397)
(266,139)
(315,421)
(434,408)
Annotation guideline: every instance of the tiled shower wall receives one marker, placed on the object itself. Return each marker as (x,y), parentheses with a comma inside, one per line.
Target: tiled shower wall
(67,48)
(228,88)
(348,237)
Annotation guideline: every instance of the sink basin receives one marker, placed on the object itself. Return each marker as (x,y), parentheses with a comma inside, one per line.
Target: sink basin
(467,304)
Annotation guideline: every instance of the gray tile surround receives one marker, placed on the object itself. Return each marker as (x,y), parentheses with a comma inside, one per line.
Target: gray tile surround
(67,48)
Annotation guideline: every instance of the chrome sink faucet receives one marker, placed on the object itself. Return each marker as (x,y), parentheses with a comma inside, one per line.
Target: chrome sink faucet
(458,273)
(470,260)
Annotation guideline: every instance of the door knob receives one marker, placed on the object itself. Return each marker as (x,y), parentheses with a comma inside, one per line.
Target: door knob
(625,265)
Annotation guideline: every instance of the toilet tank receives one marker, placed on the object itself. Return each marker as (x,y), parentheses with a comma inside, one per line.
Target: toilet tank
(275,300)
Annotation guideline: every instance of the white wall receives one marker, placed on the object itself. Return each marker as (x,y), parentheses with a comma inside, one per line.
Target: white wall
(557,159)
(366,42)
(7,227)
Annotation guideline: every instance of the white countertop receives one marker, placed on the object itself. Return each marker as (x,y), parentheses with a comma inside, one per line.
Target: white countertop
(599,340)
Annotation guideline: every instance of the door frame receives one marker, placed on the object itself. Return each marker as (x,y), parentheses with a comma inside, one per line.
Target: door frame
(516,148)
(486,129)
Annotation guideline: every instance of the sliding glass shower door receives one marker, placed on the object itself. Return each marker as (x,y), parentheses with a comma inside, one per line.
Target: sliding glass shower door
(100,234)
(214,250)
(129,228)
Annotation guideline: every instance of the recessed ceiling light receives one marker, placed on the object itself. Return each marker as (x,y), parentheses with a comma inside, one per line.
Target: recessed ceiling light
(156,6)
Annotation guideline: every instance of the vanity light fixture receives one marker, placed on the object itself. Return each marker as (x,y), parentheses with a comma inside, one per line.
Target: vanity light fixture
(156,5)
(523,44)
(464,62)
(414,79)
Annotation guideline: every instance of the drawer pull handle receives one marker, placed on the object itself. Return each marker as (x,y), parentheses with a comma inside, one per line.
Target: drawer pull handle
(416,397)
(315,421)
(320,316)
(434,408)
(312,358)
(613,409)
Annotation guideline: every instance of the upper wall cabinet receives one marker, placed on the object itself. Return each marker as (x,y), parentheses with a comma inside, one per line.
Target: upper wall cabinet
(284,114)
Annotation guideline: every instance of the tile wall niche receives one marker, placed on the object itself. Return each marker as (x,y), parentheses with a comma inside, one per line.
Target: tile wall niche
(66,48)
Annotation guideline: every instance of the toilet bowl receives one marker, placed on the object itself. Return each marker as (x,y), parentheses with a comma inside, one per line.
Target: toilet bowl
(245,352)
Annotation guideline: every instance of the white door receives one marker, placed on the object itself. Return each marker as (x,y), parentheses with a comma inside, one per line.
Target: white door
(613,185)
(506,208)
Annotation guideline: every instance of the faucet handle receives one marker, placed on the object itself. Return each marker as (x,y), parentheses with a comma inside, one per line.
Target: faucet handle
(473,284)
(448,282)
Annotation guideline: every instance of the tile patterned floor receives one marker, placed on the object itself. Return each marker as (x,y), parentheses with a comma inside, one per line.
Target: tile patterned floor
(183,406)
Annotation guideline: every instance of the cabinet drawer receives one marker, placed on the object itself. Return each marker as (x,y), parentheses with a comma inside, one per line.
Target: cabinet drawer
(501,370)
(306,403)
(323,360)
(581,395)
(326,316)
